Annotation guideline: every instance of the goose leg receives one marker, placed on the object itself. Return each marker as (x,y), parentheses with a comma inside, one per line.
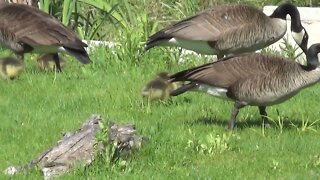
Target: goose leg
(263,114)
(57,62)
(234,114)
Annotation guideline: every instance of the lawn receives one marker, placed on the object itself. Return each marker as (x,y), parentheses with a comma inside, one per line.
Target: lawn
(188,136)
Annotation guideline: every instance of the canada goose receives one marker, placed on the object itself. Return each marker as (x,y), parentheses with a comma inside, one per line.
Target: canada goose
(231,29)
(47,63)
(26,29)
(252,79)
(159,88)
(10,67)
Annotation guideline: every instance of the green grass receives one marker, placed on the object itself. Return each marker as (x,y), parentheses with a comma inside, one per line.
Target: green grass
(38,107)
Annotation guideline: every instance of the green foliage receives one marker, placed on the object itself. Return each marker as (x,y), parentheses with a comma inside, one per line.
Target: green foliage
(39,106)
(68,8)
(212,145)
(44,5)
(106,7)
(188,139)
(108,151)
(287,50)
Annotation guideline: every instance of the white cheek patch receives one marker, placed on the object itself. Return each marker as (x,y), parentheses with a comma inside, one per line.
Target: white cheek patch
(298,37)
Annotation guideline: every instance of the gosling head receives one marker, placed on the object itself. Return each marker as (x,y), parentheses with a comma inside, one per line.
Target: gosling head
(160,87)
(163,76)
(156,89)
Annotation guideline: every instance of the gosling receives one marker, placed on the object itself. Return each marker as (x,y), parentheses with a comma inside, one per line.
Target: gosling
(159,88)
(46,62)
(10,67)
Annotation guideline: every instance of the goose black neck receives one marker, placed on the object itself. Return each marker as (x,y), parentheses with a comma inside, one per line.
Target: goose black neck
(283,10)
(312,57)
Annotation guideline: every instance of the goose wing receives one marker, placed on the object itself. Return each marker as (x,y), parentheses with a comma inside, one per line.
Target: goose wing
(226,72)
(209,25)
(31,26)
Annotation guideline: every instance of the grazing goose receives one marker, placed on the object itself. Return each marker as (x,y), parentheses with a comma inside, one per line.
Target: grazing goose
(231,29)
(47,63)
(159,88)
(26,29)
(10,67)
(252,79)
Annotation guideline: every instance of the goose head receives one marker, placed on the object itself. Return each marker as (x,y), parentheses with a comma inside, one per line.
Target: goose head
(312,56)
(299,33)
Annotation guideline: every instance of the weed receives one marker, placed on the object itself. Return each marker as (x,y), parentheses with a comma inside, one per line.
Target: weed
(211,145)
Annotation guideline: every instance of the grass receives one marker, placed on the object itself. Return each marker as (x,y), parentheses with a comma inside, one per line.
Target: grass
(188,139)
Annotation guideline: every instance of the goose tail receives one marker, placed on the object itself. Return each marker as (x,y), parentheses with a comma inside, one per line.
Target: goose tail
(156,40)
(183,89)
(80,54)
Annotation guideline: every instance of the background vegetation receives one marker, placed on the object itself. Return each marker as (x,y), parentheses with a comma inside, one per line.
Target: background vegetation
(188,139)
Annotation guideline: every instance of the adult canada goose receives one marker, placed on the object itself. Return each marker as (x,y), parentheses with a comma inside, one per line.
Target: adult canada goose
(159,88)
(10,67)
(231,29)
(46,62)
(26,29)
(252,79)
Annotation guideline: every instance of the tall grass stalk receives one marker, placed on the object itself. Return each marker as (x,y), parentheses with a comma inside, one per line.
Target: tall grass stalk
(45,5)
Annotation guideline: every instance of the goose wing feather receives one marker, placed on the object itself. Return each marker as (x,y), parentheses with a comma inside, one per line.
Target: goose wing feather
(228,71)
(29,25)
(209,25)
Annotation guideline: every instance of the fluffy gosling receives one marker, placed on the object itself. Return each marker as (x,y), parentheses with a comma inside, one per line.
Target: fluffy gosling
(10,67)
(159,88)
(46,62)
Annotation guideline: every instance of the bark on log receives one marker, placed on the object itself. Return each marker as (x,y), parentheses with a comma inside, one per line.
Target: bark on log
(79,148)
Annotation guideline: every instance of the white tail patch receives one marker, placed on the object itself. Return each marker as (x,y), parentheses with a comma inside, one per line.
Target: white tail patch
(201,47)
(213,91)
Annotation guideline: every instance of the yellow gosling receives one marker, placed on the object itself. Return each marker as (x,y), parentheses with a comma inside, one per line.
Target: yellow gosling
(159,88)
(10,67)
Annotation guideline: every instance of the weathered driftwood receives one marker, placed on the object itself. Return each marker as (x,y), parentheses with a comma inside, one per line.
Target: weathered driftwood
(79,148)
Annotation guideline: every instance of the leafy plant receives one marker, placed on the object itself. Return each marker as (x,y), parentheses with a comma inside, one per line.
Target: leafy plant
(307,126)
(109,151)
(316,161)
(288,50)
(87,17)
(211,145)
(278,122)
(68,8)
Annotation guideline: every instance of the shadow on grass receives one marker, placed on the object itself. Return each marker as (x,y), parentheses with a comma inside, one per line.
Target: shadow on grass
(288,124)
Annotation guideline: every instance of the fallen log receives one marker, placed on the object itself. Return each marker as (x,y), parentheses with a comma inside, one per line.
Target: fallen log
(81,147)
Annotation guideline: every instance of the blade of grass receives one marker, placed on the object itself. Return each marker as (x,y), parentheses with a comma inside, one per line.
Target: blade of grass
(68,7)
(44,5)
